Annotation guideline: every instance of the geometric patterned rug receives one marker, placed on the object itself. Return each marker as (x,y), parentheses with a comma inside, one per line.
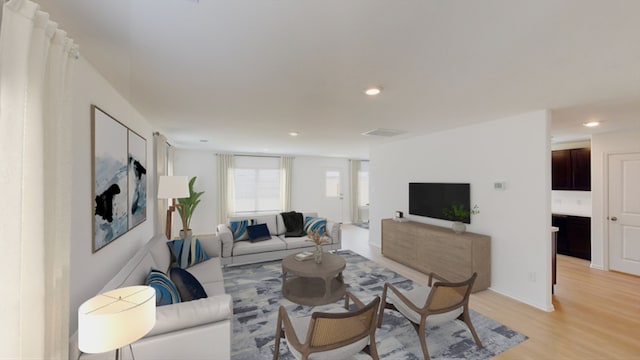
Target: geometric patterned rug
(256,292)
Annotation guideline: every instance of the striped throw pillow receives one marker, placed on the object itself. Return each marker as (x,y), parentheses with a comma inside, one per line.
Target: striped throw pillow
(166,291)
(239,229)
(187,252)
(315,224)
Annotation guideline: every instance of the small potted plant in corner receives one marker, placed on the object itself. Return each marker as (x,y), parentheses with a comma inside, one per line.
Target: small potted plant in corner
(189,204)
(458,213)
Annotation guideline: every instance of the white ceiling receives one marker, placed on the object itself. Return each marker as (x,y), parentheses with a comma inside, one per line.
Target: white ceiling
(242,74)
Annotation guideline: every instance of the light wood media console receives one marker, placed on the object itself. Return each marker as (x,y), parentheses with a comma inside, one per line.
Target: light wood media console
(428,248)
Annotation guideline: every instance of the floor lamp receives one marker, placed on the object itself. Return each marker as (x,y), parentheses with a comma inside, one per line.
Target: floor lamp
(115,319)
(173,187)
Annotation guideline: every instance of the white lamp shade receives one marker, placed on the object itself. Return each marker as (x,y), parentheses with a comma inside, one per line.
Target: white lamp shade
(116,318)
(173,187)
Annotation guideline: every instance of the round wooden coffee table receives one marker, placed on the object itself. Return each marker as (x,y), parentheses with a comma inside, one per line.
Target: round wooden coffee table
(311,283)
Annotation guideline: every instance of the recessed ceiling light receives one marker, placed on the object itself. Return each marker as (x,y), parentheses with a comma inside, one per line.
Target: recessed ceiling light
(591,124)
(294,133)
(373,90)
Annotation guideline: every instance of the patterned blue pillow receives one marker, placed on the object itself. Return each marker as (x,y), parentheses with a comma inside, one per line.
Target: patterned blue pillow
(315,224)
(188,286)
(166,291)
(187,252)
(239,229)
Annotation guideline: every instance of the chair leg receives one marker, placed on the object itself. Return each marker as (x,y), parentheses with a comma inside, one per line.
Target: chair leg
(383,305)
(279,334)
(371,349)
(423,340)
(467,320)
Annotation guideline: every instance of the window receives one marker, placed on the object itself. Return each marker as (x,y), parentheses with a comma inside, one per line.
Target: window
(332,184)
(256,184)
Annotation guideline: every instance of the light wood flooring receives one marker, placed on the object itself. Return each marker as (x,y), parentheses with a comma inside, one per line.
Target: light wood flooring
(597,313)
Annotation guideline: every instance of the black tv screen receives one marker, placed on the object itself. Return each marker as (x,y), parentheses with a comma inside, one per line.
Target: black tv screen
(431,199)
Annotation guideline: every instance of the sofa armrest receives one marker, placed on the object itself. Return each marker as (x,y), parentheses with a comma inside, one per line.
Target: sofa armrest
(192,313)
(211,243)
(335,231)
(226,238)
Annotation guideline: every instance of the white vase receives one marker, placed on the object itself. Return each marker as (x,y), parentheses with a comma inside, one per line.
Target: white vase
(458,227)
(317,254)
(189,233)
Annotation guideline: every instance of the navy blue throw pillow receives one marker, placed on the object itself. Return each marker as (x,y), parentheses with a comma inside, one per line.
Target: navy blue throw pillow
(258,232)
(188,286)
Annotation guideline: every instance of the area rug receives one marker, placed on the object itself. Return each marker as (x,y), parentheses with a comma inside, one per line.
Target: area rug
(256,292)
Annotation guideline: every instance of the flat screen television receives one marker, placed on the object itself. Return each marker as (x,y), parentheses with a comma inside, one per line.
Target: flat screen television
(431,199)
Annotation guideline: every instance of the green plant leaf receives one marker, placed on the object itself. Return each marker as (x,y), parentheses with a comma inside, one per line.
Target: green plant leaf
(190,203)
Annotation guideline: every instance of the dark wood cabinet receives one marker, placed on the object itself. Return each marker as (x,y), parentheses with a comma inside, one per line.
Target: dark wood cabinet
(561,170)
(581,169)
(574,236)
(571,169)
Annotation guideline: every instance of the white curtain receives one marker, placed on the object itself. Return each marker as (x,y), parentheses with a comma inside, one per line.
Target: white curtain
(354,168)
(225,187)
(35,182)
(162,152)
(286,171)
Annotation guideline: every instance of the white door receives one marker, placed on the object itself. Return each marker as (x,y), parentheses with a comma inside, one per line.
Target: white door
(624,213)
(334,193)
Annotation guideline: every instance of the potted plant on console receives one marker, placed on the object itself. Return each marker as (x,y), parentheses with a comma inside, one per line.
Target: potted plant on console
(189,205)
(458,214)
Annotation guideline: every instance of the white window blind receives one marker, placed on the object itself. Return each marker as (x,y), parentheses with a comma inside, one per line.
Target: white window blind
(256,184)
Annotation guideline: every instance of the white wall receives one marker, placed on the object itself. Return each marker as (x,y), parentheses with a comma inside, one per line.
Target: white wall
(309,187)
(603,145)
(307,193)
(202,164)
(90,272)
(514,150)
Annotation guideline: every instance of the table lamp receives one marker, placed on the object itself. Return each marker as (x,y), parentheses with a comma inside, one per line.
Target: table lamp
(116,318)
(173,187)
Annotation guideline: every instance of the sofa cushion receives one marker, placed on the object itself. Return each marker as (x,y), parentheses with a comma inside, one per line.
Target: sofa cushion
(166,291)
(270,220)
(207,272)
(187,252)
(161,254)
(246,247)
(190,314)
(239,228)
(312,224)
(188,286)
(298,242)
(259,232)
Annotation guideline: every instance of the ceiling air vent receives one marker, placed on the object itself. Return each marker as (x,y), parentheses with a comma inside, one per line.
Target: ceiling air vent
(383,132)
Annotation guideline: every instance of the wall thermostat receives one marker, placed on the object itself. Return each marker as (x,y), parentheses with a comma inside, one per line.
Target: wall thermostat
(499,185)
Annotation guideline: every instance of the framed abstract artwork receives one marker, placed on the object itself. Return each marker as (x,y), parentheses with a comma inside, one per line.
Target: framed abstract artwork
(137,179)
(119,178)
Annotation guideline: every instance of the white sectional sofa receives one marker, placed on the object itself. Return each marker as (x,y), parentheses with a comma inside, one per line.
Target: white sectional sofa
(278,247)
(197,329)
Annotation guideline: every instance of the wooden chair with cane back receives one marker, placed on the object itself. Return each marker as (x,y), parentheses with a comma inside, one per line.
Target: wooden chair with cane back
(330,335)
(439,303)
